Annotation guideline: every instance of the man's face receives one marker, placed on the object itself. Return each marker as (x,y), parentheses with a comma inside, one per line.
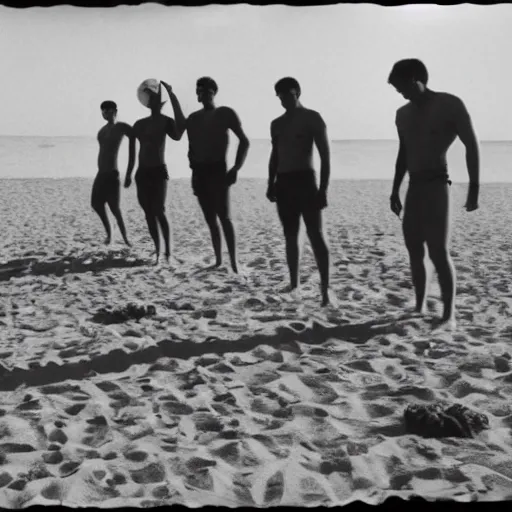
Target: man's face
(204,95)
(108,114)
(288,98)
(409,89)
(154,102)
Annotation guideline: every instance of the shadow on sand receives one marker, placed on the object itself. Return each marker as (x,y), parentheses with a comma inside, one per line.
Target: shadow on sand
(118,361)
(67,265)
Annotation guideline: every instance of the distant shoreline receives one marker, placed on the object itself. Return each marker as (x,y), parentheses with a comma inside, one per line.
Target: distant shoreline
(248,178)
(255,139)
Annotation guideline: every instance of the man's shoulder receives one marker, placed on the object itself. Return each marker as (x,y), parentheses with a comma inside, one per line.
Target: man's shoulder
(224,109)
(447,97)
(403,109)
(277,121)
(314,117)
(123,126)
(450,100)
(227,113)
(311,113)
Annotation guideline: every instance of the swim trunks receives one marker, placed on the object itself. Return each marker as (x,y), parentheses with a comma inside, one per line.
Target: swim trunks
(208,178)
(105,187)
(152,187)
(296,191)
(209,185)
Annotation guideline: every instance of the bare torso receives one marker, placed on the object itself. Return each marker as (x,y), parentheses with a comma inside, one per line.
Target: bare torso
(293,137)
(151,133)
(428,131)
(109,138)
(208,134)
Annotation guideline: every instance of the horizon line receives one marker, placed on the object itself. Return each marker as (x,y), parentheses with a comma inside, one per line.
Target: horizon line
(250,138)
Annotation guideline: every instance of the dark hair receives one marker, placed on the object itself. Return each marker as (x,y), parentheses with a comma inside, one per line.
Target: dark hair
(286,84)
(208,83)
(408,69)
(108,104)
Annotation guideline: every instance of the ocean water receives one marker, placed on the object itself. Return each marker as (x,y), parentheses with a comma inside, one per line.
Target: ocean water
(61,157)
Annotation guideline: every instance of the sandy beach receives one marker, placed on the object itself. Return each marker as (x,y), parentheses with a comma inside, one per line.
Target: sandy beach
(231,392)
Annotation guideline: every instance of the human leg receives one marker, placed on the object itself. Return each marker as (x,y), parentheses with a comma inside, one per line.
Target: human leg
(222,208)
(313,221)
(98,205)
(144,198)
(415,243)
(113,201)
(289,215)
(438,234)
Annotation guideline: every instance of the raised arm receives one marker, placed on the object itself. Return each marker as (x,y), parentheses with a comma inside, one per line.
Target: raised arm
(322,144)
(171,129)
(466,133)
(181,122)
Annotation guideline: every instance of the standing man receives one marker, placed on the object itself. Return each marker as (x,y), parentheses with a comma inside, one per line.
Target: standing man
(208,135)
(106,186)
(427,126)
(292,180)
(152,176)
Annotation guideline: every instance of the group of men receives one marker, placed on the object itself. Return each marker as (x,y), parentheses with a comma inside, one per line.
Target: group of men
(427,126)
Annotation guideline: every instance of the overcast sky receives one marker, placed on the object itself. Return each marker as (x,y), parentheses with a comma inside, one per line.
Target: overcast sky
(59,63)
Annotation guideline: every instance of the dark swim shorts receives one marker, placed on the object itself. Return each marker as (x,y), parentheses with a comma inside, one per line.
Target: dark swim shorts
(208,178)
(296,191)
(152,187)
(105,187)
(209,184)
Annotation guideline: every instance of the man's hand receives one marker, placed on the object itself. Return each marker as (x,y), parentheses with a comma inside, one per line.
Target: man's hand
(168,88)
(472,199)
(395,203)
(231,176)
(321,199)
(271,192)
(127,181)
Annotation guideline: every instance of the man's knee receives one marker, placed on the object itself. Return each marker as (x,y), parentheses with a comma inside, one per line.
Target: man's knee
(211,219)
(291,237)
(416,250)
(314,231)
(225,218)
(439,255)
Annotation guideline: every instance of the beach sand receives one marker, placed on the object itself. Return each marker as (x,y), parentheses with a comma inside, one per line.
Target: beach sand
(233,393)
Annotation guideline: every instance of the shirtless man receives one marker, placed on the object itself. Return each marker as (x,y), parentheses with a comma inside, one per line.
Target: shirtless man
(106,186)
(427,127)
(292,181)
(208,135)
(152,176)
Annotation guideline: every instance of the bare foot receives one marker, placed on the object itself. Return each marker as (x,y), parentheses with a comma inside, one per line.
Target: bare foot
(107,240)
(288,289)
(444,324)
(127,242)
(157,259)
(329,299)
(291,292)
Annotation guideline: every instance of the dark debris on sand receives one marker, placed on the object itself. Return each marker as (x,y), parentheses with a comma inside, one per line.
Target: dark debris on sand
(129,312)
(436,421)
